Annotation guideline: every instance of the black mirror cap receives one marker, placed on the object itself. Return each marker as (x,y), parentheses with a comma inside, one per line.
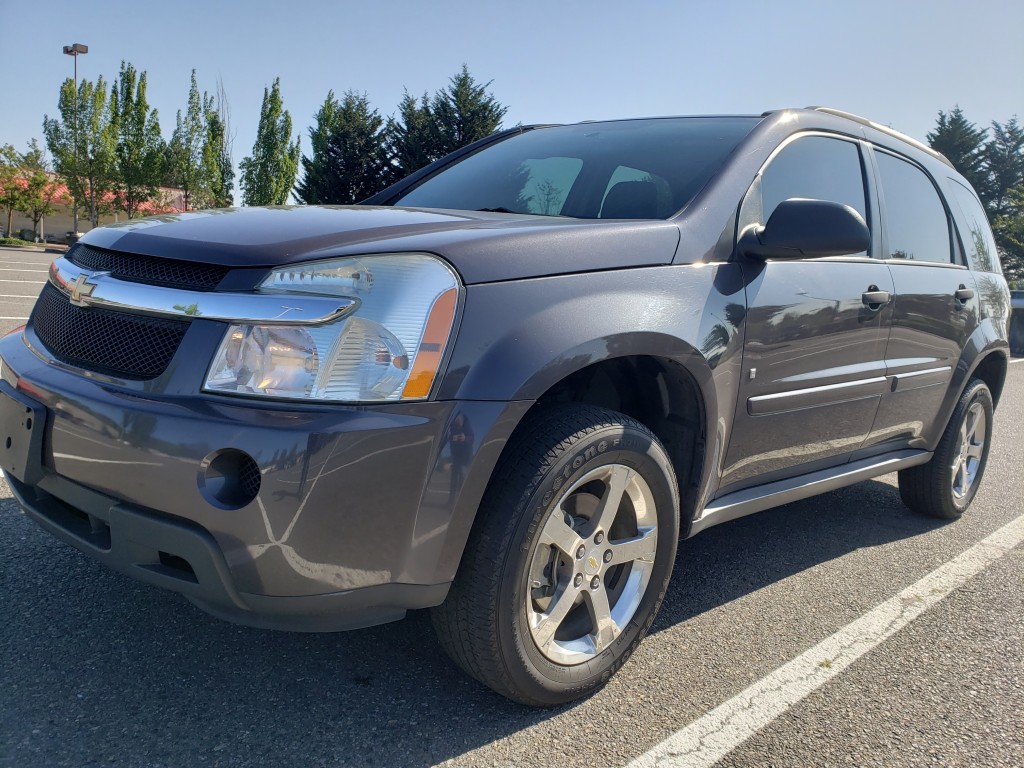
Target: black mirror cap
(805,229)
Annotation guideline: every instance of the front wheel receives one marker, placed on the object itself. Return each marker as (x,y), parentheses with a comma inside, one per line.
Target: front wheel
(946,485)
(569,559)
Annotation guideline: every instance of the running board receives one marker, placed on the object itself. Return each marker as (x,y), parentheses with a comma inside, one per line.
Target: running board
(750,500)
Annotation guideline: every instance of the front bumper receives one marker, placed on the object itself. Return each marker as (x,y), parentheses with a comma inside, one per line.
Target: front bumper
(361,513)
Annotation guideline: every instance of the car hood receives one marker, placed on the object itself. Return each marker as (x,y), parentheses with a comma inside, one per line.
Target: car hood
(483,247)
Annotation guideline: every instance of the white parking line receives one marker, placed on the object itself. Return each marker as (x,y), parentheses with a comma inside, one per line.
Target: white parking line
(23,319)
(33,271)
(707,740)
(1019,360)
(19,296)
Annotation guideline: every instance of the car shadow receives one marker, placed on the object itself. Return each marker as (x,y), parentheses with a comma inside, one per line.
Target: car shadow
(98,668)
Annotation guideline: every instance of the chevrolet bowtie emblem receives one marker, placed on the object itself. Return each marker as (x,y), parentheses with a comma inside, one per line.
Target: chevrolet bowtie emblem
(81,289)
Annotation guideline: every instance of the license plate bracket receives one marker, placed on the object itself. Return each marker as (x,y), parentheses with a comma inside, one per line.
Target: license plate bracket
(22,422)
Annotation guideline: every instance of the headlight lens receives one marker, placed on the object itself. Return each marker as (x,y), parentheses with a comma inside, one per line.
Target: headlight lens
(389,349)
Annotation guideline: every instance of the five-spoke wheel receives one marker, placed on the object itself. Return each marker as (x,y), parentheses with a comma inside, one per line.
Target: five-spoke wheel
(569,559)
(945,486)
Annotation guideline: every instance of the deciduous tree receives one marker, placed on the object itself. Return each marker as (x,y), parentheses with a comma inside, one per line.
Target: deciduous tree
(82,142)
(39,189)
(217,167)
(187,171)
(268,175)
(139,151)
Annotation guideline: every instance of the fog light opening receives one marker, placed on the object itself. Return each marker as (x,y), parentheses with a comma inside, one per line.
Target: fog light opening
(229,479)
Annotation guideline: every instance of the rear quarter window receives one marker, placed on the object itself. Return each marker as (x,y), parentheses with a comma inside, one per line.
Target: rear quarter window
(977,238)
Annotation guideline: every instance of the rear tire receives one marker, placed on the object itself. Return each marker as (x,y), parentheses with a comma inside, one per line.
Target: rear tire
(946,485)
(569,558)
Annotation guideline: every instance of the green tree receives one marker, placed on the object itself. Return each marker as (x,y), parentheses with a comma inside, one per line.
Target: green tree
(963,144)
(411,139)
(139,151)
(39,189)
(352,161)
(217,168)
(187,170)
(10,184)
(314,187)
(81,142)
(268,175)
(1004,165)
(463,113)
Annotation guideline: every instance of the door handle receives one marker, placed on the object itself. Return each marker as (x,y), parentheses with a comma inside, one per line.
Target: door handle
(963,294)
(875,298)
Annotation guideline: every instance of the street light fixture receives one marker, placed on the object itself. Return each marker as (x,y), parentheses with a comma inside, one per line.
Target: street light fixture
(74,50)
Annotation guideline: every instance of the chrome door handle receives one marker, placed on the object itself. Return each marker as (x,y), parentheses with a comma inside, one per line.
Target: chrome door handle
(963,293)
(875,298)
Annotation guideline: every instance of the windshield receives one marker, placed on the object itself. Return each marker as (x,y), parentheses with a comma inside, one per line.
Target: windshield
(627,169)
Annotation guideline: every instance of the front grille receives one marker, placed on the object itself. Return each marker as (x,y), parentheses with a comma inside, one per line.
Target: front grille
(173,273)
(115,343)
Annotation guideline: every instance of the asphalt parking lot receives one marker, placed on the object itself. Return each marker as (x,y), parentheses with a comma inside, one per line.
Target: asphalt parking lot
(96,669)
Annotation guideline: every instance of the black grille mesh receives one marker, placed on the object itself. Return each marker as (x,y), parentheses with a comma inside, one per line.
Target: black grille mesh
(115,343)
(249,478)
(147,269)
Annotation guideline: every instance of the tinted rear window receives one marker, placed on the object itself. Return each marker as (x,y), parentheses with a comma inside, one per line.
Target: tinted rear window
(629,169)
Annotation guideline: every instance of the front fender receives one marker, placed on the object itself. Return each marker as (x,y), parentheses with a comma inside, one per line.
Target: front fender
(519,338)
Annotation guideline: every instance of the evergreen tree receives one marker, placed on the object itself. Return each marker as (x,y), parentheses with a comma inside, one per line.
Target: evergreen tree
(350,160)
(139,152)
(314,187)
(268,175)
(963,144)
(463,113)
(411,138)
(185,151)
(81,142)
(1004,165)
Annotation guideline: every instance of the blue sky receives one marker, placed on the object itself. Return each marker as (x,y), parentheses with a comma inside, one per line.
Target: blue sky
(895,61)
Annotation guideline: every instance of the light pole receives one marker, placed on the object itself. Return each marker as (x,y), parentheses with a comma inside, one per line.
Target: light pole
(73,50)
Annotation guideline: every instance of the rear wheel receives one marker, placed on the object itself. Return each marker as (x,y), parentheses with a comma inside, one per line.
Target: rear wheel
(569,559)
(946,485)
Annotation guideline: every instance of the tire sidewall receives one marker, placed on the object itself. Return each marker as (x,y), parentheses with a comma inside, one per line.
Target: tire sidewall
(977,393)
(609,444)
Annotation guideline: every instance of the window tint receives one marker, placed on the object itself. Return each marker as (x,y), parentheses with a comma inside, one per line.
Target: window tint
(815,167)
(662,192)
(978,241)
(548,184)
(915,219)
(671,160)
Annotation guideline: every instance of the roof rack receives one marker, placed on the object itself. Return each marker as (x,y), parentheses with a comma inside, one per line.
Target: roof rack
(884,129)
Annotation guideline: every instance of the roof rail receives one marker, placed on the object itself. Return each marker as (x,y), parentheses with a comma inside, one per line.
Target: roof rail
(886,130)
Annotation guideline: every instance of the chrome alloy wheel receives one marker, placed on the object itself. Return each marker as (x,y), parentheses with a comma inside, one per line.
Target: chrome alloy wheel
(592,564)
(967,459)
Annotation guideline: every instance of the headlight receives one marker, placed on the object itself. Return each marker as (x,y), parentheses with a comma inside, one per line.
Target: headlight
(389,349)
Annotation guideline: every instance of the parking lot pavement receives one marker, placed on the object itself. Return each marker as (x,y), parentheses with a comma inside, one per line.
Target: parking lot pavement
(22,274)
(96,668)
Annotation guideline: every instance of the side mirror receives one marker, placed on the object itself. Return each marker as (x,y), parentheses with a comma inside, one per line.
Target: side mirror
(807,229)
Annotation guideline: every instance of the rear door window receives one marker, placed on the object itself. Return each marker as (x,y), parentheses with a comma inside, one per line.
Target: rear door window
(915,219)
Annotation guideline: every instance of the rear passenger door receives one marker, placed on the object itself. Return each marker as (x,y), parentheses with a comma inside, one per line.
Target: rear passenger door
(813,352)
(935,308)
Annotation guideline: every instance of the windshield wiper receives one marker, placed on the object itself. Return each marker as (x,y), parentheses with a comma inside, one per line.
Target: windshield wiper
(496,210)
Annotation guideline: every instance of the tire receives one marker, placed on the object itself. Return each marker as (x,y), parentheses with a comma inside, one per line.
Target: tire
(558,586)
(946,485)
